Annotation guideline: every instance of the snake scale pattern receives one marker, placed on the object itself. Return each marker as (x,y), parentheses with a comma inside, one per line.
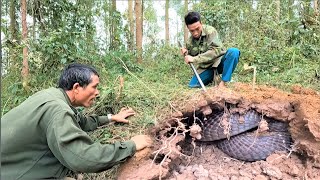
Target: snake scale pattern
(244,143)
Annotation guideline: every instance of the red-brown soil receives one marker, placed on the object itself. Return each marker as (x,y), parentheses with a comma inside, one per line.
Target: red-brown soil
(176,158)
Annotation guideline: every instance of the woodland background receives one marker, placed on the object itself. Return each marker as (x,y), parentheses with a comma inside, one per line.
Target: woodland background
(140,69)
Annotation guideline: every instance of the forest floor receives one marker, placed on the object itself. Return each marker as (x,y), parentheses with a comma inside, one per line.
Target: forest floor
(176,158)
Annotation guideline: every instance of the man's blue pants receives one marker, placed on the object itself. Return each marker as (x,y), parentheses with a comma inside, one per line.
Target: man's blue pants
(228,64)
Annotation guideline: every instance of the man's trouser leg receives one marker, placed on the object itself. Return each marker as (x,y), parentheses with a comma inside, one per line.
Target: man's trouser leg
(228,64)
(206,77)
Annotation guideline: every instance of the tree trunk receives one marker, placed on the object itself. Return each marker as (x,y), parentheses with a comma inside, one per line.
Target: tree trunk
(106,18)
(131,25)
(33,23)
(138,13)
(13,19)
(185,37)
(13,32)
(167,22)
(25,66)
(315,7)
(278,10)
(177,37)
(113,25)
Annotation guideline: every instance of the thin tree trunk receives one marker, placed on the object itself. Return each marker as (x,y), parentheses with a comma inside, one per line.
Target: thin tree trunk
(13,32)
(113,25)
(167,22)
(88,21)
(138,13)
(177,39)
(25,65)
(13,28)
(185,37)
(34,20)
(315,7)
(278,10)
(131,25)
(33,25)
(106,23)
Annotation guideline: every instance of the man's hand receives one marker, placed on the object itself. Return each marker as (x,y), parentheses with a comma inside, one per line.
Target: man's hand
(122,115)
(183,51)
(188,59)
(142,141)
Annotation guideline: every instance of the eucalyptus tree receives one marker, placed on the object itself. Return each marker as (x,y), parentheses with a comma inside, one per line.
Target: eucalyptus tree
(139,28)
(167,22)
(25,64)
(66,31)
(131,25)
(13,20)
(181,8)
(115,26)
(185,31)
(150,26)
(12,35)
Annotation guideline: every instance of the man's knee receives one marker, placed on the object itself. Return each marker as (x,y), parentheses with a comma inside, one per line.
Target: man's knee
(233,51)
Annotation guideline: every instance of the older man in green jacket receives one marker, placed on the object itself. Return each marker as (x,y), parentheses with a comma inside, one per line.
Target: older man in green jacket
(44,137)
(204,48)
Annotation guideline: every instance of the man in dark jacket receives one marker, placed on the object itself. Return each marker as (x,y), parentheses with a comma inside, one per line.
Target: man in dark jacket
(204,48)
(44,137)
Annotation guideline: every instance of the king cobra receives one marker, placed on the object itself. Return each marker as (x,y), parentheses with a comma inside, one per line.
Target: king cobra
(241,142)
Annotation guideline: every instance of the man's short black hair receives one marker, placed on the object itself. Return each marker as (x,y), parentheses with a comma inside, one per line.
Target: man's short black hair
(76,73)
(192,17)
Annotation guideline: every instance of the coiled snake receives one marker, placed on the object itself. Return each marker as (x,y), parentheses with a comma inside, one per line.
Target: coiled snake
(244,144)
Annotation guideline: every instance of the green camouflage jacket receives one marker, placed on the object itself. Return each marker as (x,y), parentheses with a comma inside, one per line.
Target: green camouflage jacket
(207,50)
(44,138)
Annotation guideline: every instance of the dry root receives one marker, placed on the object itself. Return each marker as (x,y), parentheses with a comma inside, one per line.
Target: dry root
(169,148)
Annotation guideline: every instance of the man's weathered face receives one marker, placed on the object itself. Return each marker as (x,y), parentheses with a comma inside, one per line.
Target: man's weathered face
(195,29)
(86,95)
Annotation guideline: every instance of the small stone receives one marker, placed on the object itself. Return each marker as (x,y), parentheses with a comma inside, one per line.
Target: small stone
(292,116)
(272,171)
(195,130)
(294,171)
(181,168)
(226,160)
(206,110)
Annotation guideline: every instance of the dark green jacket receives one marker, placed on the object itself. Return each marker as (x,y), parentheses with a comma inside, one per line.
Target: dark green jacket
(45,137)
(207,50)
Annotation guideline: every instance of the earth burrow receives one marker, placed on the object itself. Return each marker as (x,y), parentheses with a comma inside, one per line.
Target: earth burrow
(238,133)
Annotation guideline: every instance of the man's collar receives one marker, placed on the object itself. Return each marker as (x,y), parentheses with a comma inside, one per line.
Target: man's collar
(66,97)
(203,32)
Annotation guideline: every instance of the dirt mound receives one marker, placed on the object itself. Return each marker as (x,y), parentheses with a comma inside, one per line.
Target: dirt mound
(174,156)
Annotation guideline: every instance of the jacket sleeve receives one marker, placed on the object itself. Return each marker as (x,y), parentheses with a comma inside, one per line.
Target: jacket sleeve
(215,49)
(90,123)
(76,150)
